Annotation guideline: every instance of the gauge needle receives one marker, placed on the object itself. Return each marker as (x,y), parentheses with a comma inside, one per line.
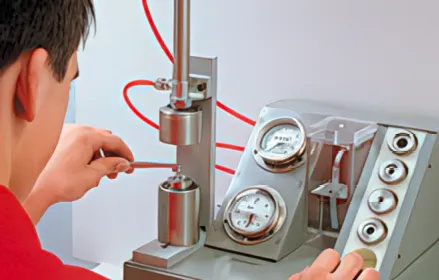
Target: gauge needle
(249,212)
(250,219)
(272,146)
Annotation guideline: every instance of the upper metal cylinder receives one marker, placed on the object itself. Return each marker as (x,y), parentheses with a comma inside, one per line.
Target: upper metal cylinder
(181,128)
(180,91)
(179,211)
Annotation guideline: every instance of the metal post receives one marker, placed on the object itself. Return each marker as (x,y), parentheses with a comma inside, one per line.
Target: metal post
(179,97)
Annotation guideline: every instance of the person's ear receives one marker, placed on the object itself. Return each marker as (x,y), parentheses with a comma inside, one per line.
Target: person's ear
(32,85)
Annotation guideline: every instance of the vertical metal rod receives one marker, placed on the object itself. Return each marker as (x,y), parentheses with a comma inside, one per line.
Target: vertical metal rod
(181,51)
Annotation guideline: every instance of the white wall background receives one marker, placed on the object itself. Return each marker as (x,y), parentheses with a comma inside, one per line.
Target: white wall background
(377,53)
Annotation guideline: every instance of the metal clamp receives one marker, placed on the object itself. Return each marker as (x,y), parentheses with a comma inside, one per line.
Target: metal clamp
(162,84)
(197,87)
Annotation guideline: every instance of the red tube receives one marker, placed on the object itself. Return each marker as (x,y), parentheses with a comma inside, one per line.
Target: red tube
(131,105)
(156,31)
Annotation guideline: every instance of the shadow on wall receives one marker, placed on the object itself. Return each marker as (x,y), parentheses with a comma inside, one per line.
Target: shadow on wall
(55,228)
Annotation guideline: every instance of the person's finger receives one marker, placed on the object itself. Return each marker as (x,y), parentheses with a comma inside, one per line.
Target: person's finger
(105,131)
(96,156)
(295,277)
(369,274)
(130,171)
(106,166)
(328,260)
(298,275)
(112,176)
(112,144)
(349,267)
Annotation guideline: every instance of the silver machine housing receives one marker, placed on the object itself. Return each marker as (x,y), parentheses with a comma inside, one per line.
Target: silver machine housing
(329,177)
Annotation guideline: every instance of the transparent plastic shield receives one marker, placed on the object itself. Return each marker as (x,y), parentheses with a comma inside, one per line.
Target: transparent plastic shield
(340,131)
(338,148)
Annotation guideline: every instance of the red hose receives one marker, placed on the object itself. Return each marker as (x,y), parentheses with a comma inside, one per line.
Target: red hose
(235,114)
(230,147)
(225,169)
(156,31)
(130,104)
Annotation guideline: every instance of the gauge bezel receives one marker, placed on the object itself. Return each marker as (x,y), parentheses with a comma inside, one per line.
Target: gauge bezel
(276,221)
(276,164)
(270,221)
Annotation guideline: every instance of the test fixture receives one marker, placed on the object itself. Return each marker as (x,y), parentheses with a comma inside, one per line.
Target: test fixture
(313,176)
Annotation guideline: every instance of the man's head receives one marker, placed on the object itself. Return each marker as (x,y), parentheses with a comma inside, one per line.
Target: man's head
(39,40)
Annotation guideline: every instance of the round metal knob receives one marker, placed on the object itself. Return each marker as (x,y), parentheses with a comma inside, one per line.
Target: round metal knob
(382,201)
(372,231)
(369,257)
(404,142)
(392,172)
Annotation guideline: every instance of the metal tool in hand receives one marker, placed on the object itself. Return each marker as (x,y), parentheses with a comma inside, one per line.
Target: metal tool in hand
(145,164)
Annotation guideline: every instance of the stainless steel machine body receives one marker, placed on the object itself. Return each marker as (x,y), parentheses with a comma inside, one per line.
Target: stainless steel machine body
(313,176)
(385,200)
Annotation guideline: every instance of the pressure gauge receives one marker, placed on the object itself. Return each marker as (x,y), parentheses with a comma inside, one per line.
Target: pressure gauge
(281,142)
(254,215)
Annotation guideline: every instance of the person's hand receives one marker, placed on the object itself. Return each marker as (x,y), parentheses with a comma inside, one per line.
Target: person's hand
(76,167)
(328,267)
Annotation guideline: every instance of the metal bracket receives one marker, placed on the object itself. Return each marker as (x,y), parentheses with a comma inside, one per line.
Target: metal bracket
(333,190)
(198,86)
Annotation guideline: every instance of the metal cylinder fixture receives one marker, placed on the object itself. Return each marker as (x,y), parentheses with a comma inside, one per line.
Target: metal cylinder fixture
(181,128)
(393,172)
(178,215)
(372,231)
(180,91)
(382,201)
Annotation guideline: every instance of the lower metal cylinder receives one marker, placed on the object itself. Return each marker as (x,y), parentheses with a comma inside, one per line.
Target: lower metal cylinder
(180,127)
(179,211)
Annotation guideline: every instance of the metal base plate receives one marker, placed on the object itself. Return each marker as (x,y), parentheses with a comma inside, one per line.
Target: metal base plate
(211,264)
(153,254)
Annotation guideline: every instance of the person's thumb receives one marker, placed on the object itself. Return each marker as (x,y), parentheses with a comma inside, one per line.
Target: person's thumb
(295,277)
(298,275)
(109,165)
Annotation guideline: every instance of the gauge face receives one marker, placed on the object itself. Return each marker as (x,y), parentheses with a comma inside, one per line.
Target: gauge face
(281,141)
(253,213)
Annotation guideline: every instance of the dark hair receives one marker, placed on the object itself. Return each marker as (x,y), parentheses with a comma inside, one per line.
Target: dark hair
(58,26)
